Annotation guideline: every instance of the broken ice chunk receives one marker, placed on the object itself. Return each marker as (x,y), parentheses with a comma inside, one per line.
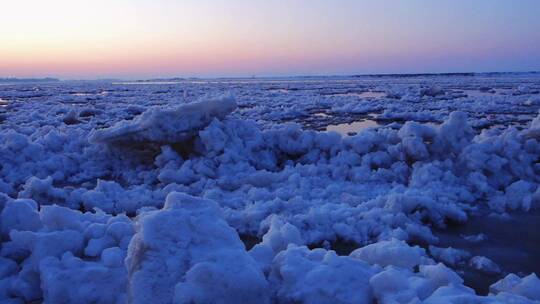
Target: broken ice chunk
(484,265)
(187,253)
(167,125)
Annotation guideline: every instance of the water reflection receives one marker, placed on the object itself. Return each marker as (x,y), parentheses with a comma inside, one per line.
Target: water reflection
(279,90)
(321,114)
(154,82)
(367,94)
(511,241)
(3,103)
(102,93)
(482,93)
(346,129)
(352,128)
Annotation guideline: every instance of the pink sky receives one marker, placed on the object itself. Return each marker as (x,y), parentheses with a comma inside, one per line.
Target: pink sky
(142,38)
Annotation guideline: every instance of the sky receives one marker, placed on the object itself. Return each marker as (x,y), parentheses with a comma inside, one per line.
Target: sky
(84,39)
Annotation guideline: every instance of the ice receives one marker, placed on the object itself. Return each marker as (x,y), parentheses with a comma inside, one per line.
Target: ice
(319,276)
(167,124)
(85,166)
(484,264)
(534,129)
(20,214)
(49,252)
(34,247)
(187,253)
(111,197)
(393,252)
(453,294)
(431,91)
(280,234)
(71,118)
(527,286)
(475,238)
(392,286)
(449,256)
(43,190)
(440,275)
(96,282)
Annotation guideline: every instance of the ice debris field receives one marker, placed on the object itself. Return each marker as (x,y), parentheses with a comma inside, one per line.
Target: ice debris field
(417,189)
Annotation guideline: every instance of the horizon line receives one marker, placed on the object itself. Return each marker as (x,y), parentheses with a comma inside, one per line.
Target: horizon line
(385,74)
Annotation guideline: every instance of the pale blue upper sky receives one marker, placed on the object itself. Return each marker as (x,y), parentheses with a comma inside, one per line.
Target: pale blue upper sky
(150,38)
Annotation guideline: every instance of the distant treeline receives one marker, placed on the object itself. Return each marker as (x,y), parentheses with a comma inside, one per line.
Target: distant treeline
(443,74)
(12,79)
(467,74)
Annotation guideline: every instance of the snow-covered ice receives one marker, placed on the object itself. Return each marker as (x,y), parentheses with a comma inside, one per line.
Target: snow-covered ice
(166,125)
(229,191)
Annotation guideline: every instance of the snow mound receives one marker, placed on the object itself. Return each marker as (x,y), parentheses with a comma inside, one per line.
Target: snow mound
(528,286)
(96,282)
(393,252)
(449,256)
(534,129)
(484,264)
(69,208)
(186,253)
(300,275)
(163,124)
(279,236)
(58,248)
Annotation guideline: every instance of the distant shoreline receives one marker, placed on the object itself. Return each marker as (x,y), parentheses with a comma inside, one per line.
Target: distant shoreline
(389,75)
(446,74)
(25,80)
(7,80)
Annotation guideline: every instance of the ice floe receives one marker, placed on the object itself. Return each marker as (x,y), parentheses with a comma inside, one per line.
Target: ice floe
(145,193)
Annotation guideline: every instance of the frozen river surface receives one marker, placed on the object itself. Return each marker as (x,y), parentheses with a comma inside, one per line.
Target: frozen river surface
(417,189)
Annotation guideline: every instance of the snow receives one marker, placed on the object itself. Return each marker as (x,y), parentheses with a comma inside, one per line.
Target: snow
(484,264)
(319,276)
(138,193)
(48,255)
(393,252)
(527,287)
(186,253)
(280,234)
(449,256)
(167,124)
(96,282)
(20,214)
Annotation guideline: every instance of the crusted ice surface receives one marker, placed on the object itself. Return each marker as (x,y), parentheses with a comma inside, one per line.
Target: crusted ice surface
(167,125)
(71,201)
(186,253)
